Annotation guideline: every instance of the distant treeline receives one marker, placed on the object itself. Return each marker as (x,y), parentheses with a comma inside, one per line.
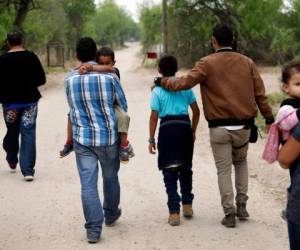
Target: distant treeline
(267,30)
(64,21)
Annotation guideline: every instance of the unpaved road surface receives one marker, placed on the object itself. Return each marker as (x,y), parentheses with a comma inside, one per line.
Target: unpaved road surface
(47,213)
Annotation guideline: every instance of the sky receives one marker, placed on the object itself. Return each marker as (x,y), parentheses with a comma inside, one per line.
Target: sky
(131,6)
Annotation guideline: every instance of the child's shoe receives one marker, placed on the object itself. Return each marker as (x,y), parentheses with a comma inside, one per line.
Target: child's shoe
(174,219)
(130,151)
(283,214)
(68,148)
(124,154)
(187,211)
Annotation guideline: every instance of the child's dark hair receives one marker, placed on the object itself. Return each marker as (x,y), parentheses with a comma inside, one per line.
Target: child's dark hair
(106,51)
(288,70)
(168,65)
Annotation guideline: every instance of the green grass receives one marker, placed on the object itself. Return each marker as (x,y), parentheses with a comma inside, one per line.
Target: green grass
(274,100)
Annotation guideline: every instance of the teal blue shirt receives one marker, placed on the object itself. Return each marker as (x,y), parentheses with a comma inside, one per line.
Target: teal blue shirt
(171,103)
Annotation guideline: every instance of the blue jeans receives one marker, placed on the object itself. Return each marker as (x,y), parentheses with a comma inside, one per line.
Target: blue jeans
(294,235)
(21,121)
(185,175)
(87,159)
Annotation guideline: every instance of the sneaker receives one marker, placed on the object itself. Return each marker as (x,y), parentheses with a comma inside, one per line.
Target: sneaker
(13,167)
(68,148)
(92,239)
(174,219)
(124,154)
(187,210)
(229,220)
(130,151)
(241,212)
(113,221)
(29,178)
(283,214)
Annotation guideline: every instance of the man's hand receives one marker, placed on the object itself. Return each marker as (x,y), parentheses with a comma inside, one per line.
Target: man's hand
(152,148)
(157,81)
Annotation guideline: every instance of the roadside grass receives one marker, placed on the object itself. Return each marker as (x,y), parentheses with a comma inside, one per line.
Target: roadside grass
(274,100)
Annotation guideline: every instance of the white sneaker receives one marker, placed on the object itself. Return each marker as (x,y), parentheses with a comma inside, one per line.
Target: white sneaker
(29,178)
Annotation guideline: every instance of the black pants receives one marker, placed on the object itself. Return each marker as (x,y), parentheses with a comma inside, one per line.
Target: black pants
(185,176)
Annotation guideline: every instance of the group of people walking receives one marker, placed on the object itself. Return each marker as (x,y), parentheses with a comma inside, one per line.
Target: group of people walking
(231,90)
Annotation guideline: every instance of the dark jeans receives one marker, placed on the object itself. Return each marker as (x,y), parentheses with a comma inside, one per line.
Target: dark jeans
(185,175)
(21,121)
(294,235)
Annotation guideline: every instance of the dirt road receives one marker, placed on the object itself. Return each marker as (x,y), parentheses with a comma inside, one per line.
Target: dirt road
(47,213)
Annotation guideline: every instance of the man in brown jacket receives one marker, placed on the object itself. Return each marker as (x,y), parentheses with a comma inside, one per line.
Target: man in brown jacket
(231,90)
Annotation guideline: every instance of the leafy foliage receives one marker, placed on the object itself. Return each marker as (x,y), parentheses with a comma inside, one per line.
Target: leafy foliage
(266,29)
(65,21)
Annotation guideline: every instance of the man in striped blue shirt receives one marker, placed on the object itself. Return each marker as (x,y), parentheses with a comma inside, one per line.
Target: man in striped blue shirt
(91,98)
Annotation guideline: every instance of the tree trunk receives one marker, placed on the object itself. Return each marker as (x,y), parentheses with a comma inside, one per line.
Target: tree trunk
(21,13)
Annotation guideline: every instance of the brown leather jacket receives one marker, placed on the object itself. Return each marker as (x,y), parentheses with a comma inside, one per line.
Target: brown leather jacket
(231,88)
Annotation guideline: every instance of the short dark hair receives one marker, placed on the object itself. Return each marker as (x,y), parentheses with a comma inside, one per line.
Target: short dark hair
(224,34)
(168,65)
(86,49)
(106,51)
(289,70)
(15,38)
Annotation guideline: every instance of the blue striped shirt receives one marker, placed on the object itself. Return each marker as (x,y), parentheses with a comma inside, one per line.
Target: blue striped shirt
(91,98)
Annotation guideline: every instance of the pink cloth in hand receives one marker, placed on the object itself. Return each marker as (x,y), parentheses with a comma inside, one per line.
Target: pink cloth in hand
(286,120)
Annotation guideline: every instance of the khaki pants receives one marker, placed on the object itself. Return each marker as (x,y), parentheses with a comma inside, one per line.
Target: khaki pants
(229,148)
(123,120)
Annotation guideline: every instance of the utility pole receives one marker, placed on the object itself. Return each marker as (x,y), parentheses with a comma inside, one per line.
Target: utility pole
(165,25)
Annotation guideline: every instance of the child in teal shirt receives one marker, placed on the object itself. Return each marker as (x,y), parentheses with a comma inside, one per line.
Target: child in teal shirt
(175,140)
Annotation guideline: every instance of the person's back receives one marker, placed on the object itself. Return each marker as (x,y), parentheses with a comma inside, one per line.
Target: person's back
(21,74)
(93,107)
(91,99)
(172,103)
(175,139)
(231,90)
(231,87)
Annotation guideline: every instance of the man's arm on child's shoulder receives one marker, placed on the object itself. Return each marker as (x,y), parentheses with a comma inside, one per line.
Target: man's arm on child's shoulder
(120,95)
(152,128)
(196,116)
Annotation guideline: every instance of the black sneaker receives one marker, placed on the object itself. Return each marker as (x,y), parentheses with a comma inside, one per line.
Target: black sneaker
(92,238)
(68,148)
(241,212)
(112,222)
(229,220)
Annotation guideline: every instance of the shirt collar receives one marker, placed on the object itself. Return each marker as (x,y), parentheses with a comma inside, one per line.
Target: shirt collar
(224,49)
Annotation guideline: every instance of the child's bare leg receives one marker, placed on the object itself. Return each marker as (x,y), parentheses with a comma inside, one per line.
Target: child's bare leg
(69,132)
(123,139)
(68,147)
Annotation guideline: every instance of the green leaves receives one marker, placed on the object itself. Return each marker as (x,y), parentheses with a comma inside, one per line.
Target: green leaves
(150,25)
(111,25)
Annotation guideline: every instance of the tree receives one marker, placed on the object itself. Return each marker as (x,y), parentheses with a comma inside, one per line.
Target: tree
(111,25)
(150,25)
